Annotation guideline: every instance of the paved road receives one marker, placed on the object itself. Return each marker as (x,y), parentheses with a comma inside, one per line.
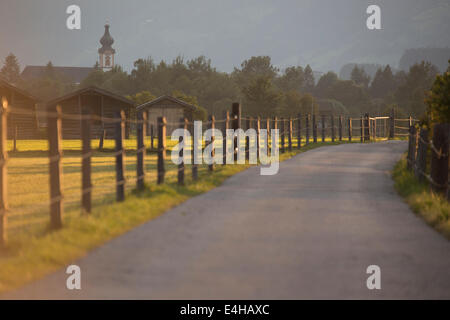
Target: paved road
(308,232)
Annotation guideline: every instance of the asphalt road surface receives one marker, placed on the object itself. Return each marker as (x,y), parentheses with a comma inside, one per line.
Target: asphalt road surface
(309,232)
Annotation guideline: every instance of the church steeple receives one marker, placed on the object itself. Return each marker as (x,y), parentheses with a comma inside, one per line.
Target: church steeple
(106,52)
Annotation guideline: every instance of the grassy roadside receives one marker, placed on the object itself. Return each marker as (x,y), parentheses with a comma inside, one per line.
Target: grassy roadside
(433,208)
(29,257)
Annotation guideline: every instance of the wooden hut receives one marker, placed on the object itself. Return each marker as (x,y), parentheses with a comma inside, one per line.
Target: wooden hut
(166,106)
(101,103)
(22,122)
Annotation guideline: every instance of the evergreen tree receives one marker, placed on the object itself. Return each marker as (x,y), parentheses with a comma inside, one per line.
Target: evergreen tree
(383,83)
(360,77)
(11,69)
(308,79)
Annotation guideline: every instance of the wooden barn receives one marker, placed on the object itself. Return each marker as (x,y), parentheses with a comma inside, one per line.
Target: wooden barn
(101,103)
(22,124)
(171,108)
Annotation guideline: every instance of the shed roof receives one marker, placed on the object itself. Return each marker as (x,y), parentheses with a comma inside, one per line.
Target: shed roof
(92,90)
(10,86)
(166,97)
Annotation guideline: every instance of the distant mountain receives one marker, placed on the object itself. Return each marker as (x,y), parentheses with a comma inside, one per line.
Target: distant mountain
(437,56)
(326,34)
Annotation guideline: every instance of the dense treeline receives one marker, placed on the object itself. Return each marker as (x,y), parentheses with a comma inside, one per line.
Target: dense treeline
(264,89)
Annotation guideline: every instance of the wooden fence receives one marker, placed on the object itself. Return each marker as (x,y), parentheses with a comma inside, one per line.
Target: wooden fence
(422,150)
(294,133)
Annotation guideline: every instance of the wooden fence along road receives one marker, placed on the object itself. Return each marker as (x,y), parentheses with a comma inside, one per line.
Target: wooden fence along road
(418,146)
(294,133)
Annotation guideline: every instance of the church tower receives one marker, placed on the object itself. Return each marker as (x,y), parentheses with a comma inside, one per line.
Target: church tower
(106,52)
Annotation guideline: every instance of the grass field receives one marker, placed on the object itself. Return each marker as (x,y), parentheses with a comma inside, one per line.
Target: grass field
(433,208)
(33,251)
(28,180)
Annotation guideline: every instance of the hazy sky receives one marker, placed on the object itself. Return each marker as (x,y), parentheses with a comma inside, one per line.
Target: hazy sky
(323,33)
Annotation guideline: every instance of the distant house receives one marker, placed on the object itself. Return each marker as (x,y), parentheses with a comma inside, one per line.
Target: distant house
(171,108)
(73,74)
(22,108)
(101,103)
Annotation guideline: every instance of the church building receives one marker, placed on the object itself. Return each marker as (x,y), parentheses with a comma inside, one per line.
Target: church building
(77,74)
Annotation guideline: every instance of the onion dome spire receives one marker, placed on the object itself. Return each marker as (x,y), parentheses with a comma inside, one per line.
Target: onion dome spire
(106,41)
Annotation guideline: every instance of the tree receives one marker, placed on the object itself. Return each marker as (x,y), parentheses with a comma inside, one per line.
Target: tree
(115,80)
(325,83)
(438,98)
(360,77)
(141,97)
(95,78)
(261,97)
(141,75)
(353,96)
(292,103)
(411,94)
(309,80)
(200,113)
(309,104)
(200,66)
(253,68)
(292,79)
(383,83)
(11,69)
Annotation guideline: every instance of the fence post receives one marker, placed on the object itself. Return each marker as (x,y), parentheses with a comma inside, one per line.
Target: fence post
(411,123)
(275,127)
(268,135)
(249,124)
(161,148)
(236,116)
(15,138)
(308,118)
(224,138)
(141,126)
(439,158)
(212,126)
(375,129)
(283,134)
(55,168)
(258,132)
(411,148)
(314,127)
(3,171)
(366,127)
(120,154)
(341,124)
(299,131)
(323,128)
(152,137)
(333,134)
(392,124)
(182,144)
(290,134)
(421,160)
(102,139)
(193,153)
(350,129)
(86,188)
(362,129)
